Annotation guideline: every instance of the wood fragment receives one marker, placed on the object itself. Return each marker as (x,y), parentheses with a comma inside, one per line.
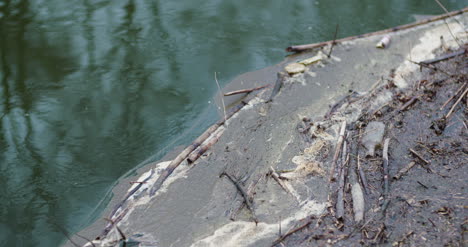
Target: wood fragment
(294,230)
(277,178)
(453,96)
(337,151)
(334,41)
(362,175)
(244,194)
(404,170)
(385,166)
(419,156)
(456,103)
(299,48)
(207,144)
(341,184)
(182,156)
(246,90)
(444,57)
(409,103)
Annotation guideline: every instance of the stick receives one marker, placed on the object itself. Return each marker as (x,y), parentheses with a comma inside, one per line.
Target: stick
(337,151)
(334,41)
(290,232)
(419,156)
(298,48)
(205,146)
(409,103)
(278,84)
(220,95)
(276,177)
(246,90)
(385,167)
(456,103)
(339,197)
(404,170)
(243,193)
(250,192)
(443,57)
(362,175)
(181,157)
(453,96)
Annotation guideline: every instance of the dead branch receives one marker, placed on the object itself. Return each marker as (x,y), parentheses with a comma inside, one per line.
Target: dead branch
(404,170)
(419,156)
(299,48)
(294,230)
(337,151)
(277,178)
(278,84)
(182,156)
(444,57)
(456,103)
(409,103)
(362,175)
(453,96)
(334,41)
(246,90)
(341,184)
(200,150)
(250,192)
(244,194)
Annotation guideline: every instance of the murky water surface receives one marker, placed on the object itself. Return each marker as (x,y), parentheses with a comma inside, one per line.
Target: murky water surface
(91,89)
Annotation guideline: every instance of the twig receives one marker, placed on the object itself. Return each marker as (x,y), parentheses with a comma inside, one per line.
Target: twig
(276,177)
(443,57)
(200,150)
(334,41)
(362,175)
(456,103)
(404,170)
(453,96)
(341,183)
(181,157)
(385,171)
(290,232)
(243,193)
(246,90)
(221,96)
(337,151)
(419,156)
(299,48)
(278,84)
(446,11)
(250,192)
(430,66)
(409,103)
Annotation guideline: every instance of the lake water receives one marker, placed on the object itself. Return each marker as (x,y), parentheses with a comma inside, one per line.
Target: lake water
(91,89)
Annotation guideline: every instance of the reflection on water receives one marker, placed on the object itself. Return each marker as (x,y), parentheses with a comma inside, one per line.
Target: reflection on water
(89,89)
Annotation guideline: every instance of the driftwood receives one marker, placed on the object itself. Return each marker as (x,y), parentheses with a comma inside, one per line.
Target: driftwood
(404,170)
(246,90)
(299,48)
(385,168)
(334,41)
(362,175)
(337,151)
(278,84)
(244,194)
(358,202)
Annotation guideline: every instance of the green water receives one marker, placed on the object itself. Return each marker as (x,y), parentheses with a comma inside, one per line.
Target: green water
(91,89)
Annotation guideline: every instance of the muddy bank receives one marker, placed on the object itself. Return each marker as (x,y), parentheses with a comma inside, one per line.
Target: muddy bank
(281,153)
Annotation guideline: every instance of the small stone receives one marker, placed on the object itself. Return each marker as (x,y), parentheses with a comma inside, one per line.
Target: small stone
(294,68)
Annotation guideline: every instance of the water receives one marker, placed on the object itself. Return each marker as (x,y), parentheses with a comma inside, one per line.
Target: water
(90,89)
